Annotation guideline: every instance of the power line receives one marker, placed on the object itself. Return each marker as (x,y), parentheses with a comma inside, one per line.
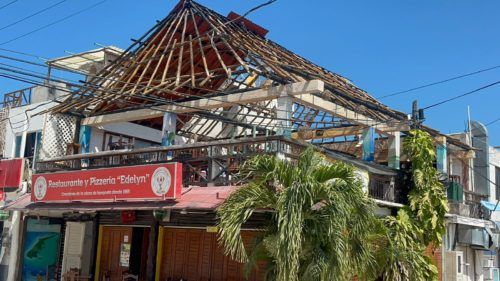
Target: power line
(439,82)
(54,22)
(34,14)
(152,107)
(8,4)
(96,87)
(24,54)
(492,122)
(462,95)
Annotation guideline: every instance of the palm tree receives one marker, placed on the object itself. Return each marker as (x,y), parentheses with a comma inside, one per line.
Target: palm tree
(320,221)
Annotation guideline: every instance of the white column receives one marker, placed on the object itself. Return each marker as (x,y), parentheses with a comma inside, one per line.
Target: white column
(393,157)
(169,131)
(441,154)
(284,112)
(15,237)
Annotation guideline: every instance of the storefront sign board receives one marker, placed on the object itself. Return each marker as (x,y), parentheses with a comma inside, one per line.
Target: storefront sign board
(131,183)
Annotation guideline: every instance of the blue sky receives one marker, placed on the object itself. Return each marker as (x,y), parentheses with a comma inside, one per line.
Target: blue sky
(382,46)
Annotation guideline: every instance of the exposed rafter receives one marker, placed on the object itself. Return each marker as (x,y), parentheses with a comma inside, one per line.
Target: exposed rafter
(194,52)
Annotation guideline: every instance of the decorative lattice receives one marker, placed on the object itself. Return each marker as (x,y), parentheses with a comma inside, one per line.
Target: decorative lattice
(58,132)
(4,114)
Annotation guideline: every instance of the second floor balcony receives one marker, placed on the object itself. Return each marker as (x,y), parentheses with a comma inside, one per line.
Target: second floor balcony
(217,162)
(465,202)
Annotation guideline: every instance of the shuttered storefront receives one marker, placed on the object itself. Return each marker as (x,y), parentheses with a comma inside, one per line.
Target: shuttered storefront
(194,254)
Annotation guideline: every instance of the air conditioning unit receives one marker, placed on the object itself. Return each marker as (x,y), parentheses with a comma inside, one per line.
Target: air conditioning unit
(454,262)
(476,238)
(491,274)
(488,263)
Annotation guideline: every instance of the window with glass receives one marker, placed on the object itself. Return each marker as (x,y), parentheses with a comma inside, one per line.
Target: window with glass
(114,141)
(17,144)
(32,145)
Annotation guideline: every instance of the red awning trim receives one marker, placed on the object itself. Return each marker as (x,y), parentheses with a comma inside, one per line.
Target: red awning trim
(194,198)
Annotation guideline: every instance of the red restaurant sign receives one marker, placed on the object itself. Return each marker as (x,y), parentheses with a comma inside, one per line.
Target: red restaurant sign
(133,183)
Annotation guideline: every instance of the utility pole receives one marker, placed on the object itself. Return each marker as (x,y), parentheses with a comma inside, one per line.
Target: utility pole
(417,116)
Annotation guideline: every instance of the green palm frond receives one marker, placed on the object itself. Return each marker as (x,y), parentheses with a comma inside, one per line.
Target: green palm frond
(236,210)
(321,218)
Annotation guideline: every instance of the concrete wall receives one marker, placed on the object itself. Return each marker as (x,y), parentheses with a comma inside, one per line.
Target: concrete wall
(494,163)
(20,124)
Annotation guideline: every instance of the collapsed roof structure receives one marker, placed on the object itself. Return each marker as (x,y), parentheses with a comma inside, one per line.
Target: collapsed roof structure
(215,70)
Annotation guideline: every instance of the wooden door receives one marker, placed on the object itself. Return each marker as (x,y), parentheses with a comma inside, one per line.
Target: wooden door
(194,254)
(111,242)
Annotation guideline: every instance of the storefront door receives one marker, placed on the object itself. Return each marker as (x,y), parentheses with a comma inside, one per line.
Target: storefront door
(112,240)
(194,254)
(122,252)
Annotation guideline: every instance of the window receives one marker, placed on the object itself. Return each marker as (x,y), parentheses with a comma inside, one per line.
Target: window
(113,141)
(31,147)
(459,264)
(19,140)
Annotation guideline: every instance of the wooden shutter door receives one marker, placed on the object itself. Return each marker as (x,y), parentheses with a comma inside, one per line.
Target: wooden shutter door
(194,254)
(73,246)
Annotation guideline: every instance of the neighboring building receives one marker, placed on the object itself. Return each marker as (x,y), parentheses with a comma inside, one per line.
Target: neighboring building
(20,149)
(21,136)
(472,239)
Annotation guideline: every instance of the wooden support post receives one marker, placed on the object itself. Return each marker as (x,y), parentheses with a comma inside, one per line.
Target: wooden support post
(152,252)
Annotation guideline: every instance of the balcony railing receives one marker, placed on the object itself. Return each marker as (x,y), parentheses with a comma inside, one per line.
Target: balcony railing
(470,206)
(382,188)
(203,163)
(17,98)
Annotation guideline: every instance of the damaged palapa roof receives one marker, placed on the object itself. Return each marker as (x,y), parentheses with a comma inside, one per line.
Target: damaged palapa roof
(195,51)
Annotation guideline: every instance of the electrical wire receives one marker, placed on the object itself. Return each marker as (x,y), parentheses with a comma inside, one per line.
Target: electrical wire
(462,95)
(492,122)
(267,3)
(156,107)
(247,13)
(152,99)
(54,22)
(33,15)
(24,54)
(96,87)
(8,4)
(439,82)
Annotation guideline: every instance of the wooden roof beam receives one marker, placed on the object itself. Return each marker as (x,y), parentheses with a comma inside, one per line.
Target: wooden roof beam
(252,96)
(314,134)
(336,110)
